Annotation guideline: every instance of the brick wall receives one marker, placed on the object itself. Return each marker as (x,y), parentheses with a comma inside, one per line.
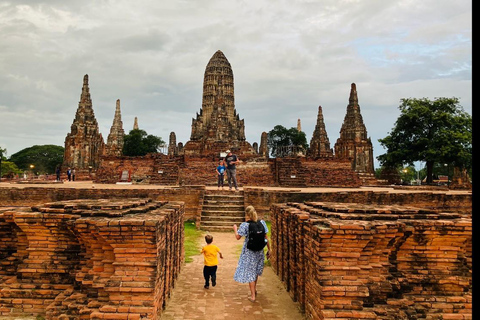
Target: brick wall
(31,196)
(91,259)
(373,262)
(285,172)
(260,198)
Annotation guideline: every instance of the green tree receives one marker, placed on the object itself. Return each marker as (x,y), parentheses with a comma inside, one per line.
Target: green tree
(138,143)
(280,137)
(44,158)
(437,131)
(9,169)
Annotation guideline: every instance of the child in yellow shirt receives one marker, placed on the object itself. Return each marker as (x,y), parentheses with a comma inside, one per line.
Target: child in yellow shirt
(211,261)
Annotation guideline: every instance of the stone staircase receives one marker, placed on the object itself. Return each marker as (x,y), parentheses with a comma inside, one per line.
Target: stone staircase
(221,210)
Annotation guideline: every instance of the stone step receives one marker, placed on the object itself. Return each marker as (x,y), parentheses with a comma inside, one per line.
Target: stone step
(222,209)
(225,208)
(224,196)
(238,201)
(219,223)
(221,220)
(224,193)
(217,228)
(223,213)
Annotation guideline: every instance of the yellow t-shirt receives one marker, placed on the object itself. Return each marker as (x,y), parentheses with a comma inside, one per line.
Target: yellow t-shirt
(210,254)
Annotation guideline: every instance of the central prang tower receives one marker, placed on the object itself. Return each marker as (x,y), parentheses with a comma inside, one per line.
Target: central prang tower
(218,127)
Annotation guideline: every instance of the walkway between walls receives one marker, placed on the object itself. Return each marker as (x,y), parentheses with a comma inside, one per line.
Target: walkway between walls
(228,299)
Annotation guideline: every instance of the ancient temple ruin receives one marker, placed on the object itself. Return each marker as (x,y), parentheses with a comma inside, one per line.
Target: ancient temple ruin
(353,143)
(84,144)
(116,137)
(218,127)
(319,144)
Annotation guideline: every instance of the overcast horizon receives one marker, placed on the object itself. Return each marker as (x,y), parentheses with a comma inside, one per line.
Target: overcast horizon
(288,58)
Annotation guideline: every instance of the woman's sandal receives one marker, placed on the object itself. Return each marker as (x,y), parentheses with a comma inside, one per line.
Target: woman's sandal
(251,300)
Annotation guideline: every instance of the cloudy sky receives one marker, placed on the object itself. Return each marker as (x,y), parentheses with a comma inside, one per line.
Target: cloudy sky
(288,57)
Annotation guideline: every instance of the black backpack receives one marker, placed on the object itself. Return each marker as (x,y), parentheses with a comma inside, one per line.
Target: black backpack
(256,236)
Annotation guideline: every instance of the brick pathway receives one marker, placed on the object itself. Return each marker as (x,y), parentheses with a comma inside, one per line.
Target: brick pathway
(228,299)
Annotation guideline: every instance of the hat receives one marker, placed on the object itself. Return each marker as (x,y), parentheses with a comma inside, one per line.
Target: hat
(228,151)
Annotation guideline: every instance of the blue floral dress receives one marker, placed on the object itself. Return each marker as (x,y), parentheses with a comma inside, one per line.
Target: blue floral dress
(250,263)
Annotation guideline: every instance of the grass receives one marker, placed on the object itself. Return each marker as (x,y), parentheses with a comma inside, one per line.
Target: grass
(192,248)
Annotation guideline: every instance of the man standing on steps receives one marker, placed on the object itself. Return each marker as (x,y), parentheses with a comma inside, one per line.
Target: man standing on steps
(232,160)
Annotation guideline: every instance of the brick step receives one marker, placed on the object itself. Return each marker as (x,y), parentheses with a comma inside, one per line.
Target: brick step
(219,223)
(234,195)
(222,213)
(221,220)
(223,200)
(217,228)
(223,207)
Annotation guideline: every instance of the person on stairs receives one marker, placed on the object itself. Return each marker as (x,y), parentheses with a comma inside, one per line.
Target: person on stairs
(220,173)
(232,160)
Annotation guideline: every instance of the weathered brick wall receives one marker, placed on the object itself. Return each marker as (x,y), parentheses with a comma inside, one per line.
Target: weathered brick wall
(303,172)
(31,196)
(91,259)
(285,172)
(149,169)
(373,262)
(262,199)
(202,172)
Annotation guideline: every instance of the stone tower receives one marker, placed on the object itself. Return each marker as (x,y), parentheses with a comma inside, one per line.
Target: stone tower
(135,124)
(84,144)
(218,127)
(353,143)
(172,144)
(319,144)
(299,125)
(263,149)
(115,139)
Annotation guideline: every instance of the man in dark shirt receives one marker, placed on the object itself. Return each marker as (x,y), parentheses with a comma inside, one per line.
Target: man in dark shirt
(231,160)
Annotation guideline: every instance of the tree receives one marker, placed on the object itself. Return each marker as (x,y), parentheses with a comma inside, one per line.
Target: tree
(138,143)
(438,131)
(44,158)
(2,152)
(280,137)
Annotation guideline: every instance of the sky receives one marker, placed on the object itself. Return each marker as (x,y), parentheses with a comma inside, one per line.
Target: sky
(288,57)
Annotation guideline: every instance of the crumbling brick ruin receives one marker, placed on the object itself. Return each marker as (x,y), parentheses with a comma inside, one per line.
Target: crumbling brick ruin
(218,127)
(356,254)
(116,136)
(215,129)
(90,259)
(319,144)
(181,170)
(84,144)
(353,143)
(357,261)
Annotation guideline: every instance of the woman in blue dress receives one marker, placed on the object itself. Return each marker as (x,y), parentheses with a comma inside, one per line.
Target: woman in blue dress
(250,264)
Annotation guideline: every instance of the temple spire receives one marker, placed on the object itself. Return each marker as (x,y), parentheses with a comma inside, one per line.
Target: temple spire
(135,124)
(85,95)
(354,143)
(319,144)
(115,139)
(353,95)
(84,144)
